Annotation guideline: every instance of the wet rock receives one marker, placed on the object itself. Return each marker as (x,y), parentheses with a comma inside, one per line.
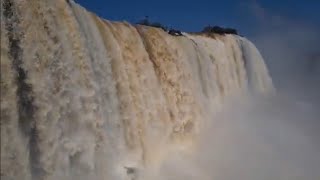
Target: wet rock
(174,32)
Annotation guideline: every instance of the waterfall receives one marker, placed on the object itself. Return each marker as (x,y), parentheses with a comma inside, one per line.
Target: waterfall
(86,98)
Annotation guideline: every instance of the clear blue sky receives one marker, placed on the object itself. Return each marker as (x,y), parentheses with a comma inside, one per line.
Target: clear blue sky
(192,15)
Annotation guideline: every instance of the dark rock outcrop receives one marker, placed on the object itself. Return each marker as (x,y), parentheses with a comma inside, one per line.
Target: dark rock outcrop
(174,32)
(219,30)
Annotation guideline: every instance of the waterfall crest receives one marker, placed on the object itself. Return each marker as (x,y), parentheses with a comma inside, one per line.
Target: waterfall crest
(87,98)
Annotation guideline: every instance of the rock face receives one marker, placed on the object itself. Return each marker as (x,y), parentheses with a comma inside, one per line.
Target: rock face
(83,97)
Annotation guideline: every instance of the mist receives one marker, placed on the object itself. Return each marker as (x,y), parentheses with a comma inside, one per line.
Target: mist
(261,138)
(255,138)
(264,138)
(290,49)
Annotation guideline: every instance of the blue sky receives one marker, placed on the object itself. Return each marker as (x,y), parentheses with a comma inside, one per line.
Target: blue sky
(192,15)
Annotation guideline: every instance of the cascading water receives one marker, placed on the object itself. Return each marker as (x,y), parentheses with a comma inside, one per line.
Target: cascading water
(86,98)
